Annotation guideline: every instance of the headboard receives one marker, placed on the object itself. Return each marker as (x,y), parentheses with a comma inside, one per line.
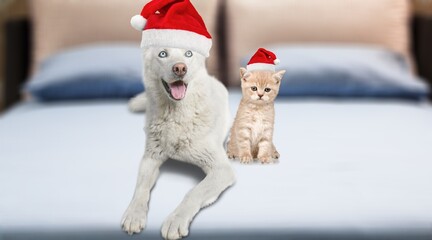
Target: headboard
(62,24)
(255,23)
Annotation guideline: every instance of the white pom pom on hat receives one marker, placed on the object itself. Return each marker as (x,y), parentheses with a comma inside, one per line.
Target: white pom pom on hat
(138,22)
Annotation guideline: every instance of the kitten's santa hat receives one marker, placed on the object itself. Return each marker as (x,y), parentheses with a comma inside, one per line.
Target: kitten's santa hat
(263,60)
(172,23)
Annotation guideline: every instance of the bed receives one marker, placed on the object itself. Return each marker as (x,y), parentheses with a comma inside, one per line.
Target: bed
(355,160)
(362,171)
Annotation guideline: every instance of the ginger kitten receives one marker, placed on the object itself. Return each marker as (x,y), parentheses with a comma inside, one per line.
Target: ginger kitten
(251,135)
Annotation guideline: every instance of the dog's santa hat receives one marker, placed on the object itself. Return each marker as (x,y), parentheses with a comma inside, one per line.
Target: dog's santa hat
(172,23)
(263,60)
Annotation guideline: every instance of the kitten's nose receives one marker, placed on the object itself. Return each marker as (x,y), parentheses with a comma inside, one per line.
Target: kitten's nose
(179,69)
(260,95)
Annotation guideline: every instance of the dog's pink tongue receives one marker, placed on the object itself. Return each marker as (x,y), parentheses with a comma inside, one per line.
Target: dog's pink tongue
(178,90)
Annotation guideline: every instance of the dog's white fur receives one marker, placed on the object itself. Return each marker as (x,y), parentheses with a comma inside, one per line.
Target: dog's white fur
(191,130)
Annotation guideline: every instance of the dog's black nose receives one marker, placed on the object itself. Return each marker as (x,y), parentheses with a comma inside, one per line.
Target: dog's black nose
(179,69)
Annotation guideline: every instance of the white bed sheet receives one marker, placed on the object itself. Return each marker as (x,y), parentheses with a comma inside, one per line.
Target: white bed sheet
(346,166)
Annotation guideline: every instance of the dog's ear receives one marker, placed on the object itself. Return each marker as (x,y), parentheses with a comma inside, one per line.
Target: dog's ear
(244,74)
(278,76)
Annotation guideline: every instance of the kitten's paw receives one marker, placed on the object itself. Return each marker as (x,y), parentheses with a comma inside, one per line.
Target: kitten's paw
(134,220)
(275,154)
(265,159)
(246,158)
(175,227)
(231,155)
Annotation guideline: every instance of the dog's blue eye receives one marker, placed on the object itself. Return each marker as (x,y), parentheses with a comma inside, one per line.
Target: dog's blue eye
(189,54)
(163,54)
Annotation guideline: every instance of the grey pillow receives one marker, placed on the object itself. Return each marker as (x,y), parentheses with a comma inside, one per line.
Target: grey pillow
(94,71)
(346,71)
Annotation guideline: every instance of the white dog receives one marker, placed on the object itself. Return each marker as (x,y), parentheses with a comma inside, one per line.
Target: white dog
(187,120)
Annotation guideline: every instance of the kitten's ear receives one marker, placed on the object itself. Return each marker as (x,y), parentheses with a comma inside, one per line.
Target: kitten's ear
(244,74)
(278,76)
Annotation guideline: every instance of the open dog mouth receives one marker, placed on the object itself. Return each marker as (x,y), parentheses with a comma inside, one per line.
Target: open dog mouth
(176,90)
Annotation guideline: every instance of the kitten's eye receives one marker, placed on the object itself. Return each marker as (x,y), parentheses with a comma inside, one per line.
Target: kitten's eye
(189,54)
(267,89)
(163,54)
(254,88)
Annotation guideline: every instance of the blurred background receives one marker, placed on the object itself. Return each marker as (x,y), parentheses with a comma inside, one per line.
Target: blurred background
(23,26)
(9,11)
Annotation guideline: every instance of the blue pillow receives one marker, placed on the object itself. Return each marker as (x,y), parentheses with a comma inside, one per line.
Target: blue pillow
(90,72)
(346,71)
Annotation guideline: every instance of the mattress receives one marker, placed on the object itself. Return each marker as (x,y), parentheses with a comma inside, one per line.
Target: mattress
(351,169)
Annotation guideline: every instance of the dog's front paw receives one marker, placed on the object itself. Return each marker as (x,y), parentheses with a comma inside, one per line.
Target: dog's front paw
(246,158)
(134,220)
(175,227)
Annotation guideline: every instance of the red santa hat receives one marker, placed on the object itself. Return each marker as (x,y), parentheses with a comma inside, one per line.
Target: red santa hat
(263,60)
(172,23)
